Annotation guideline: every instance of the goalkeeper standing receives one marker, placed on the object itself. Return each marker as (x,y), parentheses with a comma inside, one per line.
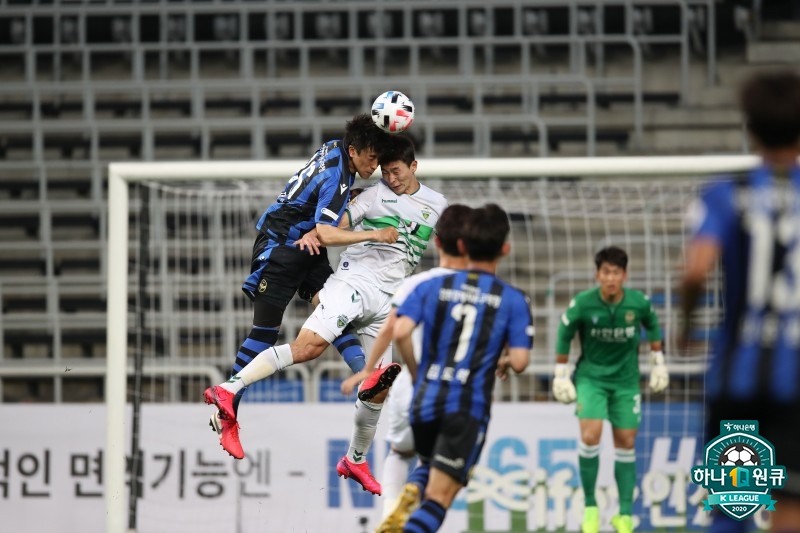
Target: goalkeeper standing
(607,319)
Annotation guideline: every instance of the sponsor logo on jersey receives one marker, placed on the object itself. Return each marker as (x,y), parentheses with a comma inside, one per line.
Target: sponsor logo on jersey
(452,463)
(386,201)
(262,286)
(342,188)
(327,212)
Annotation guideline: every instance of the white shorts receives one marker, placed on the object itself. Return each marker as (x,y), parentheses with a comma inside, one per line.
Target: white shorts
(342,302)
(399,435)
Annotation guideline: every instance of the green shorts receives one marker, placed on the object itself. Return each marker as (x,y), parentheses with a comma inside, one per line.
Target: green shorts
(620,404)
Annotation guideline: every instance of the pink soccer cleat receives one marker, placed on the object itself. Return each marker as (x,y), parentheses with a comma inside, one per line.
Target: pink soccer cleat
(377,382)
(228,432)
(223,399)
(360,474)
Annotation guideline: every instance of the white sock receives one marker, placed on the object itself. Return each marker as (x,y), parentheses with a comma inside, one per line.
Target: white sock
(364,425)
(395,472)
(261,367)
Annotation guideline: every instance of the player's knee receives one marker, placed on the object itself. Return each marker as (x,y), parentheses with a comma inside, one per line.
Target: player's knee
(307,346)
(406,455)
(590,437)
(625,442)
(267,314)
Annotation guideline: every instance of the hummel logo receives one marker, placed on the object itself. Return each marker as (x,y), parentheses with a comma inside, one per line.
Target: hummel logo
(342,188)
(357,455)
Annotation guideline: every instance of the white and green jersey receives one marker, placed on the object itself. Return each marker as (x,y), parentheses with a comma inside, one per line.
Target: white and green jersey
(414,215)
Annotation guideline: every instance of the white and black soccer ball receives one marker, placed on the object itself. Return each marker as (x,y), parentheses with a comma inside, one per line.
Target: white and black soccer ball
(393,112)
(738,455)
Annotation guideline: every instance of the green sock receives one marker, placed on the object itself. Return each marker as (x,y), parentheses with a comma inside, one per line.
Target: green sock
(588,465)
(625,474)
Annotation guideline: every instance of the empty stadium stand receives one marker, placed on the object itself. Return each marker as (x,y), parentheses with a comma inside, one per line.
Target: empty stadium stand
(87,83)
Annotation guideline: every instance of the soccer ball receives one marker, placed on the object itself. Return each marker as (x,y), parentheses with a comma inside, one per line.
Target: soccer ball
(393,112)
(738,455)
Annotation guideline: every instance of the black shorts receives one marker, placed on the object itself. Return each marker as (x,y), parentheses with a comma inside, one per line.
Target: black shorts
(777,423)
(288,270)
(452,444)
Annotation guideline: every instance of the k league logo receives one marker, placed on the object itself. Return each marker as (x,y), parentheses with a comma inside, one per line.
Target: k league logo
(739,471)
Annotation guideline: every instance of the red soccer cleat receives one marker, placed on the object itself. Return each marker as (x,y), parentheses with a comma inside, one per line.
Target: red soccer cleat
(360,474)
(228,432)
(380,380)
(222,399)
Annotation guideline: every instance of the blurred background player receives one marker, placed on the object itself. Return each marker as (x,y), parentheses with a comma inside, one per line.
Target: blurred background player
(314,199)
(468,319)
(607,319)
(449,229)
(751,223)
(359,292)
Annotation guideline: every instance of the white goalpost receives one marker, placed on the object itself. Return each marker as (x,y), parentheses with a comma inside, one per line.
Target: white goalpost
(565,208)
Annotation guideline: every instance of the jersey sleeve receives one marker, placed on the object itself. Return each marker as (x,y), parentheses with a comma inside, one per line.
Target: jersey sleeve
(358,208)
(709,214)
(570,321)
(334,192)
(650,321)
(520,326)
(412,307)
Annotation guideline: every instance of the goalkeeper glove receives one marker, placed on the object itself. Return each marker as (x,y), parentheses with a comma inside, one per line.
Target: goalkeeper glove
(659,376)
(563,388)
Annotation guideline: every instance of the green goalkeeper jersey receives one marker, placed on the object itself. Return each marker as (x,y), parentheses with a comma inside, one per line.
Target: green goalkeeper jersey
(609,334)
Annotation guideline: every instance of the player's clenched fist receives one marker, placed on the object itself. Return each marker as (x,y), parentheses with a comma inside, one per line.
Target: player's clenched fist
(388,235)
(563,388)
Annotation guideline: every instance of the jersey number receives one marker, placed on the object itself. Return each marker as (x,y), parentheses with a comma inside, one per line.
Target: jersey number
(298,179)
(464,313)
(782,290)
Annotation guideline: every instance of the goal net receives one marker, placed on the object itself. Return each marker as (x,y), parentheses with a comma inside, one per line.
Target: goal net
(180,244)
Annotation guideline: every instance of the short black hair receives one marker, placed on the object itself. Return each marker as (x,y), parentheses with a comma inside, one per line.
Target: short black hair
(613,255)
(770,102)
(450,228)
(398,148)
(362,134)
(486,231)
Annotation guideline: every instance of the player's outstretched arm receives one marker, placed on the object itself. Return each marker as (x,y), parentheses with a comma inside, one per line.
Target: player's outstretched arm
(332,236)
(701,258)
(403,328)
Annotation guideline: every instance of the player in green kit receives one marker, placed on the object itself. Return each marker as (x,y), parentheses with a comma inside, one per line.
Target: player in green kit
(608,320)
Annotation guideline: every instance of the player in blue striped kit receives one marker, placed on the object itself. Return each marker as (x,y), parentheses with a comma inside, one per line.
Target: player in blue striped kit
(314,198)
(752,224)
(468,318)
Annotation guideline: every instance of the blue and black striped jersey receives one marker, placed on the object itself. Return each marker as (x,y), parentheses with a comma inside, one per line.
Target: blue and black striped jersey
(317,194)
(468,318)
(756,222)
